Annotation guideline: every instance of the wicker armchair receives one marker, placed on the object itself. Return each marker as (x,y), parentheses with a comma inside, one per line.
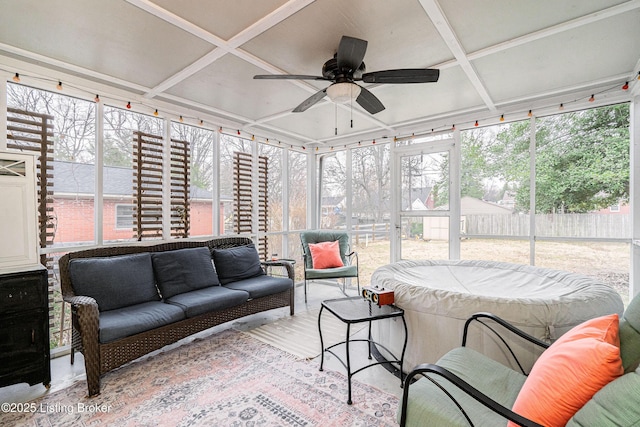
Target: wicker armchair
(101,358)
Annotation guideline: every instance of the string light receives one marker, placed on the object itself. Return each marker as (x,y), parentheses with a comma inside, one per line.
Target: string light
(16,78)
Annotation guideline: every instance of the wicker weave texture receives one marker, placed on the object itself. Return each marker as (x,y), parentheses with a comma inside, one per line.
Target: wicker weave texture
(102,358)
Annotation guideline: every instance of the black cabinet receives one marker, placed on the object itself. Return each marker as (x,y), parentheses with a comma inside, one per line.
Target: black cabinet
(24,328)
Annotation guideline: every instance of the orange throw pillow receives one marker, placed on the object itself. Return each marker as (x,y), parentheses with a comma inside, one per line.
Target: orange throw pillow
(570,372)
(326,255)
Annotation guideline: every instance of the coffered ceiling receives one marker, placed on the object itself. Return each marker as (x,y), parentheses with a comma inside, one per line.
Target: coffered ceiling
(197,58)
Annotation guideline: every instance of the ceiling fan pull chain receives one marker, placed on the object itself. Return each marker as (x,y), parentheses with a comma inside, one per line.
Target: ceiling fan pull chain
(336,119)
(351,104)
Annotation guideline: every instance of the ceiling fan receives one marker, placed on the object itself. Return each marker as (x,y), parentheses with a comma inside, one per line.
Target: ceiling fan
(346,68)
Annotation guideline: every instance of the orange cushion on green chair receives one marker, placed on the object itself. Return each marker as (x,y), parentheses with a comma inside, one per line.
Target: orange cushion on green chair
(326,255)
(570,372)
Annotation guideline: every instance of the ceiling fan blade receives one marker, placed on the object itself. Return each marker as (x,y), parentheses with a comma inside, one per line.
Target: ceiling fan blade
(369,102)
(310,101)
(407,75)
(351,53)
(287,77)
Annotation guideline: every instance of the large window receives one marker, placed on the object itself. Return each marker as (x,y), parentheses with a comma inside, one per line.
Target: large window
(118,166)
(333,201)
(228,146)
(494,189)
(275,224)
(371,207)
(72,168)
(201,142)
(581,169)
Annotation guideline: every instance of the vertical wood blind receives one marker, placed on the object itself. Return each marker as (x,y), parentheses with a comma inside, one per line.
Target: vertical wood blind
(33,132)
(243,197)
(180,189)
(148,164)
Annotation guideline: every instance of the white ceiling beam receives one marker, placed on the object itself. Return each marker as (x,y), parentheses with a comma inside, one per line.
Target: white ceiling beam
(230,46)
(556,29)
(439,20)
(37,58)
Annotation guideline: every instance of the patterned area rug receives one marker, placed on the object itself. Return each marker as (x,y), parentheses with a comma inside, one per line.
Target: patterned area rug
(227,379)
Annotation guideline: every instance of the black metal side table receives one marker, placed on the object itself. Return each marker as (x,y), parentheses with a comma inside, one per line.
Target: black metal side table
(358,310)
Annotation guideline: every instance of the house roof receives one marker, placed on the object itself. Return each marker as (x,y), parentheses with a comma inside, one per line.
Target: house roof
(197,59)
(79,179)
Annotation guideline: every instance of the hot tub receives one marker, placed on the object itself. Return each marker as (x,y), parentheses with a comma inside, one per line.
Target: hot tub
(439,296)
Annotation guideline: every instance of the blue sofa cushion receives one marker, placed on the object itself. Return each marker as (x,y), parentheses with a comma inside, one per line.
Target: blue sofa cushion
(127,321)
(115,282)
(183,270)
(209,299)
(240,262)
(261,286)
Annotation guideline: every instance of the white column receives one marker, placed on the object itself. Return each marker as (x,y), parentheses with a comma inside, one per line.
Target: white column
(348,194)
(285,203)
(312,192)
(634,198)
(455,215)
(532,190)
(215,187)
(3,112)
(166,181)
(98,193)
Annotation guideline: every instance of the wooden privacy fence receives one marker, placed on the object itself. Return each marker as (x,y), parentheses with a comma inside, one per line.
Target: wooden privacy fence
(589,225)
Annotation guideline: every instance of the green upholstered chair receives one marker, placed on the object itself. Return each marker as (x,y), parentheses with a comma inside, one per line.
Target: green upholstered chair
(466,388)
(349,258)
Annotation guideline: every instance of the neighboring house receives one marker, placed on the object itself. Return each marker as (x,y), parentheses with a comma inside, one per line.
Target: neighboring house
(73,204)
(418,198)
(620,208)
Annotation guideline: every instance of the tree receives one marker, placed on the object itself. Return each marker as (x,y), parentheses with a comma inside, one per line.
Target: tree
(582,161)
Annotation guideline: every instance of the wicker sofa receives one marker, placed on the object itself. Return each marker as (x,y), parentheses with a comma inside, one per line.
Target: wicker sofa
(127,301)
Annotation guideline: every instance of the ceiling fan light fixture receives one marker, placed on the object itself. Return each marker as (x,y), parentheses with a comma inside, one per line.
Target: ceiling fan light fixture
(343,92)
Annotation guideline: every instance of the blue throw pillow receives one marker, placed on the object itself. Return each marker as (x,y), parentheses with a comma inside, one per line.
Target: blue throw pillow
(183,270)
(240,262)
(116,281)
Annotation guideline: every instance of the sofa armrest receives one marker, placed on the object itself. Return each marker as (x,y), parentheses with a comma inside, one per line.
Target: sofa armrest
(86,318)
(458,382)
(478,317)
(281,263)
